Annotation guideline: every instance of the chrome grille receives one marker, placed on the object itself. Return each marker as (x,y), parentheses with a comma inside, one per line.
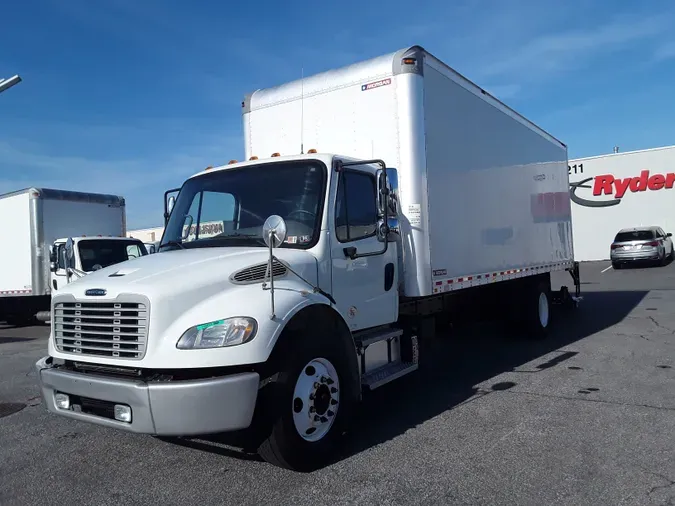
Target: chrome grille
(258,272)
(105,329)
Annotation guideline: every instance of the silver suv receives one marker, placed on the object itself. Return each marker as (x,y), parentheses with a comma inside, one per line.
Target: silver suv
(641,244)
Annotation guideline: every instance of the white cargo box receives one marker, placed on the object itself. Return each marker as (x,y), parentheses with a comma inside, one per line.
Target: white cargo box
(36,217)
(484,192)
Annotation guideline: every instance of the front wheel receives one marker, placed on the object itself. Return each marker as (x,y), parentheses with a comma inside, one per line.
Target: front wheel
(311,401)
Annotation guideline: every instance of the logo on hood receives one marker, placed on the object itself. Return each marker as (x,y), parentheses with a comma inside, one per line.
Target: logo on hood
(95,292)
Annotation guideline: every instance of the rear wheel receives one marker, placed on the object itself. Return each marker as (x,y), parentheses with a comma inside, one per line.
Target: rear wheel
(616,266)
(311,401)
(537,317)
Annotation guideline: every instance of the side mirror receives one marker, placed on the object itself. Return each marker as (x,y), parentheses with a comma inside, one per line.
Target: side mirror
(187,227)
(53,258)
(274,231)
(70,253)
(393,203)
(169,203)
(669,234)
(382,192)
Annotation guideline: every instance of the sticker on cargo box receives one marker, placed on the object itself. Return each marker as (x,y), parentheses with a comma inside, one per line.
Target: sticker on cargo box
(440,272)
(375,84)
(415,214)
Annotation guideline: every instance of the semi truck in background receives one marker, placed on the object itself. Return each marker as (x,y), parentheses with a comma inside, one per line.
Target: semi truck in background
(422,198)
(41,221)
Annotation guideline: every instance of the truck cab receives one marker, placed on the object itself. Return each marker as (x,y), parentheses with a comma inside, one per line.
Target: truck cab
(88,255)
(265,275)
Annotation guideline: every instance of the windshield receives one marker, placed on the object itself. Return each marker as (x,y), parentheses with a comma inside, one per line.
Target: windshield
(636,235)
(229,207)
(105,252)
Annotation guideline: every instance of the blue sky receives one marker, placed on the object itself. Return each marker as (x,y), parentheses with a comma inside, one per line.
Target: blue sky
(130,97)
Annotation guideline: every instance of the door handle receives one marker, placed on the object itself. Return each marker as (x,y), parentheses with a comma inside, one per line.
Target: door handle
(350,252)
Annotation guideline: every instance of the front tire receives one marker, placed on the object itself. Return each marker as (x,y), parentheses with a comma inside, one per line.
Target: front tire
(311,401)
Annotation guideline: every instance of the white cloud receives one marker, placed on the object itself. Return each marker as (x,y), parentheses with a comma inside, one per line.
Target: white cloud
(550,54)
(141,180)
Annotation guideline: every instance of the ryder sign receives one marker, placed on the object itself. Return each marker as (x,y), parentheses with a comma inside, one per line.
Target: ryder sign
(607,184)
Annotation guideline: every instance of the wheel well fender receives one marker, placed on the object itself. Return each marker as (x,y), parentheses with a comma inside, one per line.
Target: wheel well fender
(327,322)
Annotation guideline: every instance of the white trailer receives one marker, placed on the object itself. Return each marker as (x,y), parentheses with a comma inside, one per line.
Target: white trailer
(376,199)
(40,220)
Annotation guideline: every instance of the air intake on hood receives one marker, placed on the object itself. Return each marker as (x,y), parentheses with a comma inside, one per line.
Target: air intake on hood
(256,273)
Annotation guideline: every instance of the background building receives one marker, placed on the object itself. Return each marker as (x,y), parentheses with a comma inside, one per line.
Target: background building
(620,190)
(146,234)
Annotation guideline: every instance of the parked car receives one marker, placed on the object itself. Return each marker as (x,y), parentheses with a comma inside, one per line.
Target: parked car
(650,244)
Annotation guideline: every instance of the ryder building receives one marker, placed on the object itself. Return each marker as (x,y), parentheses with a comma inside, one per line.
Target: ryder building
(619,190)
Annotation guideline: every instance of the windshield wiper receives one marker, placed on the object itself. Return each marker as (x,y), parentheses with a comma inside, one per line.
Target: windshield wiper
(172,243)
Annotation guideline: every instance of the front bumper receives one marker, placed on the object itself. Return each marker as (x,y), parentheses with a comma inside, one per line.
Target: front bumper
(177,408)
(635,255)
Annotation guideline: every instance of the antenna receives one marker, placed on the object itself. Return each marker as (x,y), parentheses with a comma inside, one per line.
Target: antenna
(302,110)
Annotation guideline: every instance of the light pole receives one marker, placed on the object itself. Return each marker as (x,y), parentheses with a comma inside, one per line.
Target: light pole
(6,84)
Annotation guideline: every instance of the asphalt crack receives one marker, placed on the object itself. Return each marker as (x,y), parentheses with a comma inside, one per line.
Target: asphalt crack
(660,326)
(587,399)
(658,488)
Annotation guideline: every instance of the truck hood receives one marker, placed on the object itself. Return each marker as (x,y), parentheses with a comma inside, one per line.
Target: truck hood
(179,272)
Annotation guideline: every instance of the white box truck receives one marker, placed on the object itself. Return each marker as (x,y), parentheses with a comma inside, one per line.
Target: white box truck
(40,222)
(421,197)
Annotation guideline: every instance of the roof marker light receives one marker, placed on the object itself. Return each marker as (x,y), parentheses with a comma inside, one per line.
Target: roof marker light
(310,151)
(231,162)
(253,158)
(276,154)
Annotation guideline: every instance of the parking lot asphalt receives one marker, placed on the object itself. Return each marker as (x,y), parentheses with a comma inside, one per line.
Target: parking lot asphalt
(586,416)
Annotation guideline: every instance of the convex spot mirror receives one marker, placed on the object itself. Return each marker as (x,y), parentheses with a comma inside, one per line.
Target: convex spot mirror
(274,231)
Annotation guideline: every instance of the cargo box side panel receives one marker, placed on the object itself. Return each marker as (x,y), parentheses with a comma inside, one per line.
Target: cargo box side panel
(16,278)
(498,188)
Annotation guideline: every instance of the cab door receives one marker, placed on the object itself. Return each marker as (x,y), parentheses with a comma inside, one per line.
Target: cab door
(365,288)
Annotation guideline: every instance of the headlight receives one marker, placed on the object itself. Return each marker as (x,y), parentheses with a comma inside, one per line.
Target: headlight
(228,332)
